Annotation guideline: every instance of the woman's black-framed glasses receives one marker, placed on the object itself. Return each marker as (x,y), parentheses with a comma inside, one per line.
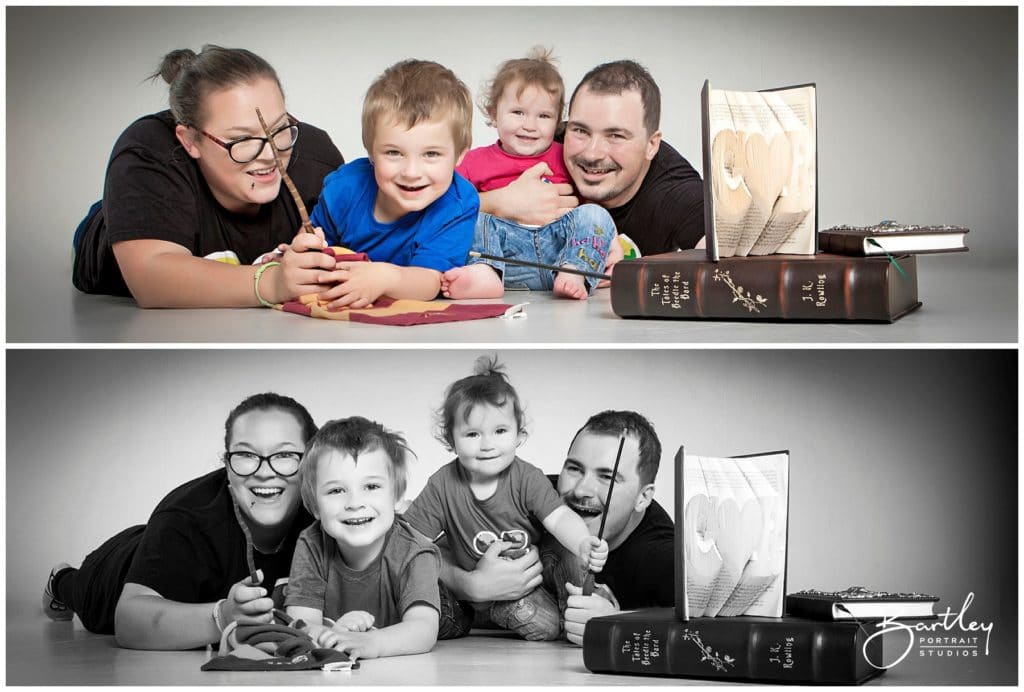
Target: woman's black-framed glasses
(248,463)
(248,149)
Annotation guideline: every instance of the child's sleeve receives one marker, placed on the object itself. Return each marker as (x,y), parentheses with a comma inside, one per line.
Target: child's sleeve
(447,232)
(426,514)
(419,580)
(469,169)
(539,495)
(332,201)
(307,581)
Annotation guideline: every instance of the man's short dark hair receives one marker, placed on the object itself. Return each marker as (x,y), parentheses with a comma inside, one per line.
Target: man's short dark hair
(625,75)
(614,422)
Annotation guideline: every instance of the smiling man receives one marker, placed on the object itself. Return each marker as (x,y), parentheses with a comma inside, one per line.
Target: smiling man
(615,155)
(640,534)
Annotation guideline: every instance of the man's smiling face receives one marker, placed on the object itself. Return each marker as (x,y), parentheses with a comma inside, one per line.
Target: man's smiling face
(586,473)
(607,147)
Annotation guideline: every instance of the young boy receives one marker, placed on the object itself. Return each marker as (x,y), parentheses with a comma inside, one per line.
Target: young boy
(374,576)
(404,206)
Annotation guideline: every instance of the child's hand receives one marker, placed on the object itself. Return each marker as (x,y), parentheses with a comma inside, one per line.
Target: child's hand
(594,552)
(358,644)
(247,604)
(354,621)
(359,283)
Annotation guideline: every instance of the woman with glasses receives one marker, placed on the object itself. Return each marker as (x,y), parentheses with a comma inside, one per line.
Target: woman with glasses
(198,183)
(178,581)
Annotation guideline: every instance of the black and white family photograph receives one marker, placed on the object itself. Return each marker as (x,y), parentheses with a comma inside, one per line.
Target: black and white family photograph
(901,477)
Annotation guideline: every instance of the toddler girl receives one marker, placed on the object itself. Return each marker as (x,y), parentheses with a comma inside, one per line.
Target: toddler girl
(488,494)
(524,103)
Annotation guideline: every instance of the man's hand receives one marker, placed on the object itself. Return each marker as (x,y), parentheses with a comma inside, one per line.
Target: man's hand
(529,199)
(579,609)
(498,579)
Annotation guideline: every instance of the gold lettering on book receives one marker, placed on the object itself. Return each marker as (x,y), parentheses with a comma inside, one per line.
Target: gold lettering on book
(642,647)
(814,292)
(670,290)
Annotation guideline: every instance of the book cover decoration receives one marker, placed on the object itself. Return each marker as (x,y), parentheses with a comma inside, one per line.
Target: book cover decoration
(893,238)
(760,155)
(652,641)
(859,603)
(687,285)
(732,515)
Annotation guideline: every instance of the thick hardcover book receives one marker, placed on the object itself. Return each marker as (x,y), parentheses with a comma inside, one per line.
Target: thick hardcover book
(858,603)
(760,162)
(732,515)
(789,650)
(686,285)
(894,238)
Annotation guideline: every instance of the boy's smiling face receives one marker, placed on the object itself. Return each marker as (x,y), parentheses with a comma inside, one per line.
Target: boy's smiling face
(413,166)
(356,502)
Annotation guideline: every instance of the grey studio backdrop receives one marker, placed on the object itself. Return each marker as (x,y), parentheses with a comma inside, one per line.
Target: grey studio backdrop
(917,105)
(904,472)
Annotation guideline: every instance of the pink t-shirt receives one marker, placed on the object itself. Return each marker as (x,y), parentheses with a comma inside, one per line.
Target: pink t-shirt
(490,168)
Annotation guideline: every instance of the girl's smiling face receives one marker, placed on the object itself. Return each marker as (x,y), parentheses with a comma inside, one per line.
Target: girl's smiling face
(486,439)
(525,121)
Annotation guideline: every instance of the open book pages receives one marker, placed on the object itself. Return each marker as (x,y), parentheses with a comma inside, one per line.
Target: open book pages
(732,518)
(760,163)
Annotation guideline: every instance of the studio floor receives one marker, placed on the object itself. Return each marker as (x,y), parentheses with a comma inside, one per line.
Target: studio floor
(41,652)
(961,304)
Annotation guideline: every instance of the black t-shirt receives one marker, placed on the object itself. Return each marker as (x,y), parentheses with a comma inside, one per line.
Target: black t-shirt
(641,571)
(193,549)
(667,212)
(155,190)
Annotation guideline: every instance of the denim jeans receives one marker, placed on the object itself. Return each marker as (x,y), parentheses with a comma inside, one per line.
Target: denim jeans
(535,616)
(580,239)
(455,618)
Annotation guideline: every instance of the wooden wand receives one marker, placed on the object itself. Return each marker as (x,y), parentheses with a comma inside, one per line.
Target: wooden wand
(588,582)
(306,225)
(538,265)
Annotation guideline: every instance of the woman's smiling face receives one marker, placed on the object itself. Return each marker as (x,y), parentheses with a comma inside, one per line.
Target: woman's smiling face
(229,115)
(266,498)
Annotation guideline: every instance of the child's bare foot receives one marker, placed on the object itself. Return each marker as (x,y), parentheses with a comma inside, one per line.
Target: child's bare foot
(569,286)
(473,281)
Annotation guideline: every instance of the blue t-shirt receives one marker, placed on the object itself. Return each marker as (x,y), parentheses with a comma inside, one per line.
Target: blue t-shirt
(438,237)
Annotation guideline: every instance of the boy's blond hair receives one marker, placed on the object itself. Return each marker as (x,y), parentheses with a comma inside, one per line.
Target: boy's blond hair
(353,436)
(415,91)
(537,69)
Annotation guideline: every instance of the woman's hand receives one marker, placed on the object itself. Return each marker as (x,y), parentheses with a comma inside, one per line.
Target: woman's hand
(302,271)
(247,604)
